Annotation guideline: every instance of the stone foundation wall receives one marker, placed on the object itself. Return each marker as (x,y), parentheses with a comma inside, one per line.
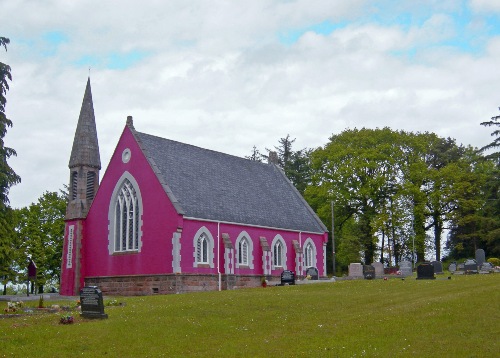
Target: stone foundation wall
(143,285)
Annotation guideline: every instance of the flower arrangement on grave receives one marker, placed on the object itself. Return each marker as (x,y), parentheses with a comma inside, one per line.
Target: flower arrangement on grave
(263,281)
(13,307)
(66,319)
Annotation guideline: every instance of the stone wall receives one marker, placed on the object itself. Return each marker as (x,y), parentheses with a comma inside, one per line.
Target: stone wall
(143,285)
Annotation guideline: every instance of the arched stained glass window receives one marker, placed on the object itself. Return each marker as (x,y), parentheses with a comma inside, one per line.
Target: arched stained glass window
(243,251)
(202,247)
(126,223)
(278,254)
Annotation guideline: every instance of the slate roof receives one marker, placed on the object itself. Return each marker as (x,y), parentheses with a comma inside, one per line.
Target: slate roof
(206,184)
(85,149)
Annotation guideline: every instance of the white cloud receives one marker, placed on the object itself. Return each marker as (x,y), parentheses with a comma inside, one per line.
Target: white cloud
(485,5)
(216,76)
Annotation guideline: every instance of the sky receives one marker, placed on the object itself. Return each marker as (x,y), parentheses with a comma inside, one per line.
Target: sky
(228,75)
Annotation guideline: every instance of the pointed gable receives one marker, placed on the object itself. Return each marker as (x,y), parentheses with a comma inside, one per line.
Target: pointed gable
(85,151)
(209,185)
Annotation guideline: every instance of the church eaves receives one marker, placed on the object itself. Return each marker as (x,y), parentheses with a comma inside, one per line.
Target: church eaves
(85,151)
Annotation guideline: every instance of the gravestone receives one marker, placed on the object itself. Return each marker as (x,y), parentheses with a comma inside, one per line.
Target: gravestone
(379,269)
(453,267)
(287,277)
(438,267)
(355,270)
(405,268)
(480,257)
(313,272)
(425,271)
(486,268)
(460,269)
(470,266)
(368,272)
(91,303)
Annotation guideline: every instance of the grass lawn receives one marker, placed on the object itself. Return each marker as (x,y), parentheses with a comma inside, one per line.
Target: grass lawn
(394,318)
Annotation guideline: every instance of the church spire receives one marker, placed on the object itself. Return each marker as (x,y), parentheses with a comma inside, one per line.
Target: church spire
(84,162)
(85,145)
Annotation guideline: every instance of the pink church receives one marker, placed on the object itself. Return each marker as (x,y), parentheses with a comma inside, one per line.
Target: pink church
(169,217)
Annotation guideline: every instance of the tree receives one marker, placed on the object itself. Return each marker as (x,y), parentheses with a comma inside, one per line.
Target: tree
(495,121)
(40,234)
(295,164)
(7,176)
(256,155)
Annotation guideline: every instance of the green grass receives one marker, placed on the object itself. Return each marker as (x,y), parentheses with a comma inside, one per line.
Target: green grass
(394,318)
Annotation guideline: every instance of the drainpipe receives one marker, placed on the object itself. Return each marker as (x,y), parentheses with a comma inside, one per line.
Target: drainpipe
(218,254)
(301,266)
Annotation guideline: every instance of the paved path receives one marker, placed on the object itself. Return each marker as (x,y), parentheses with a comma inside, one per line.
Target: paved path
(36,297)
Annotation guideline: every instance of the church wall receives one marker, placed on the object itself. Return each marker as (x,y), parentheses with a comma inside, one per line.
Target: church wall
(192,227)
(155,253)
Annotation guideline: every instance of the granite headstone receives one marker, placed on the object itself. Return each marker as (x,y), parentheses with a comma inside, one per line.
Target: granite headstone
(287,278)
(425,271)
(438,267)
(92,303)
(368,272)
(470,266)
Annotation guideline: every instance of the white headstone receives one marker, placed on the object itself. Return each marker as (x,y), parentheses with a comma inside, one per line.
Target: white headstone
(355,270)
(405,268)
(379,269)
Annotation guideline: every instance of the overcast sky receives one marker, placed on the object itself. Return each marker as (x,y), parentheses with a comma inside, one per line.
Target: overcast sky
(227,75)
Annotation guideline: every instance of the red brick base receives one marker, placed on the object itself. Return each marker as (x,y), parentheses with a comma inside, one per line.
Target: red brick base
(144,285)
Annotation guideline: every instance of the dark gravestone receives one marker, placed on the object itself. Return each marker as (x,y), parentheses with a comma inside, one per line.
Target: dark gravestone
(425,271)
(470,267)
(480,257)
(91,303)
(313,272)
(287,277)
(368,272)
(438,267)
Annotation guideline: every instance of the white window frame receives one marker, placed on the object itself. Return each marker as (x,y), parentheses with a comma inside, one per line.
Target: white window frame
(133,241)
(244,237)
(203,236)
(278,257)
(310,254)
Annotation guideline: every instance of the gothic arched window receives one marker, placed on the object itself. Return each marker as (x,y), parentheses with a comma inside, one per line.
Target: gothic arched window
(125,215)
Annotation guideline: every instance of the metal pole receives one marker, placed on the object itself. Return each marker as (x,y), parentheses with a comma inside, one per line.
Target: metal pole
(333,240)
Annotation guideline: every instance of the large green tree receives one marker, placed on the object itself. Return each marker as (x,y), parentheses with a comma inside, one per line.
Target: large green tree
(7,176)
(40,234)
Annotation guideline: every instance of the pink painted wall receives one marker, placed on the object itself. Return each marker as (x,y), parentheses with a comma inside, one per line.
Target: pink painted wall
(191,227)
(155,256)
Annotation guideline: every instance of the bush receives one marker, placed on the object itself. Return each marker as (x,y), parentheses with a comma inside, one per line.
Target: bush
(494,261)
